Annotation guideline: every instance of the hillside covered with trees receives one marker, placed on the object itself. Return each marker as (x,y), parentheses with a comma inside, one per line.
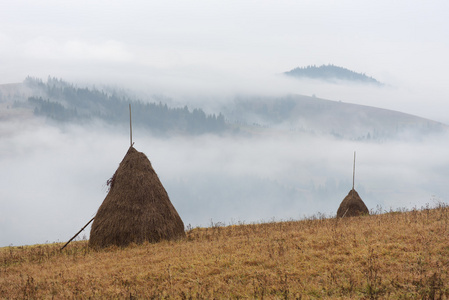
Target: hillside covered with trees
(331,72)
(64,102)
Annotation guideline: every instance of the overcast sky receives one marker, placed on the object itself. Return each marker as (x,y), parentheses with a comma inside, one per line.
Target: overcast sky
(220,47)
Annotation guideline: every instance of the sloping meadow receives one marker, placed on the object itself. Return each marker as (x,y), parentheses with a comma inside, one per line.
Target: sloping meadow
(388,255)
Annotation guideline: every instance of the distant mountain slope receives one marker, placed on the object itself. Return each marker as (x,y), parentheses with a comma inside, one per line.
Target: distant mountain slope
(320,116)
(331,72)
(62,102)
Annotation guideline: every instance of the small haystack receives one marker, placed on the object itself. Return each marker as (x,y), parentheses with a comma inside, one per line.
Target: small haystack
(136,208)
(352,205)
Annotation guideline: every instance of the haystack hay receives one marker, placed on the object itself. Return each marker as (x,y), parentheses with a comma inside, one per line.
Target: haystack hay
(352,205)
(136,208)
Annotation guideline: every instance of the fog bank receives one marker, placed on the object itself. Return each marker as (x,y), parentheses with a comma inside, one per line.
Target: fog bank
(54,180)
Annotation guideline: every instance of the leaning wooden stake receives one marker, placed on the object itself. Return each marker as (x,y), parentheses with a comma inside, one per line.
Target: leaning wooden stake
(130,127)
(353,173)
(77,234)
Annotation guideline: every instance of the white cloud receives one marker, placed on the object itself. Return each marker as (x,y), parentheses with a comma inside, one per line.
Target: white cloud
(45,48)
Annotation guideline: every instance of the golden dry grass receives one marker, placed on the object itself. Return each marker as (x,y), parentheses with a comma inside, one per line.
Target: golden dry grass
(401,255)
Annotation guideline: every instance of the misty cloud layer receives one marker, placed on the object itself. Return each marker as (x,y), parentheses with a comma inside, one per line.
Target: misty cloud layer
(57,177)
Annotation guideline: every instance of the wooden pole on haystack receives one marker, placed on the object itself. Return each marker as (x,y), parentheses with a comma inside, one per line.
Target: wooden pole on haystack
(353,173)
(77,234)
(130,128)
(131,143)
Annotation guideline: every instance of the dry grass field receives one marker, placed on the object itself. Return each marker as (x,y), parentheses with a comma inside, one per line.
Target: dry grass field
(399,255)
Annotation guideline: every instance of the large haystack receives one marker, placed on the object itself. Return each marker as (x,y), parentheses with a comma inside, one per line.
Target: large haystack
(137,207)
(352,205)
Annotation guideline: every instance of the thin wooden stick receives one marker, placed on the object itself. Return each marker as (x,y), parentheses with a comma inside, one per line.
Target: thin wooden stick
(130,128)
(77,234)
(353,173)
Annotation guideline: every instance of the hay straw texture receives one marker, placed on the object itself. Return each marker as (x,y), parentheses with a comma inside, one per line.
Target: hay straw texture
(352,205)
(137,207)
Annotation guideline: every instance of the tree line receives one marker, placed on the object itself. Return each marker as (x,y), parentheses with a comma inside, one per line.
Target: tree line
(64,102)
(331,72)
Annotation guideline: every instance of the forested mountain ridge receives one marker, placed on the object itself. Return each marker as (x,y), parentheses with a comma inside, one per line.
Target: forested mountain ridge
(331,72)
(63,102)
